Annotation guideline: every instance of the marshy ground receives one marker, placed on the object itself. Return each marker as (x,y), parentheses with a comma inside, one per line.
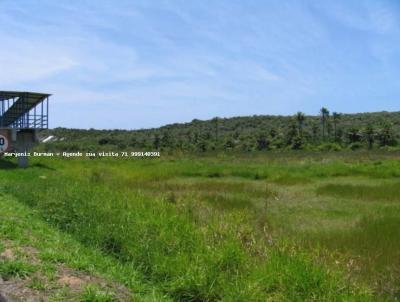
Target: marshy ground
(272,227)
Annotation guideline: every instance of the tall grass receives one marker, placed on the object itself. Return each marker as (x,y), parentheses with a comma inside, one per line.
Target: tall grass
(372,248)
(381,192)
(222,260)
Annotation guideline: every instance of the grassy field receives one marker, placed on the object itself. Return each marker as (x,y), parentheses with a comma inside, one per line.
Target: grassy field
(272,227)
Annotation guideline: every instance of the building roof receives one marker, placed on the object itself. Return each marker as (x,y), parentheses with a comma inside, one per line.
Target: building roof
(6,95)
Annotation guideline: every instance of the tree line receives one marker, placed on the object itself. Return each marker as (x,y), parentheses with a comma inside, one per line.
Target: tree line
(325,131)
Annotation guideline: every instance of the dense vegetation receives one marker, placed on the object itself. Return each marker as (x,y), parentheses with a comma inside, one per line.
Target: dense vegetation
(270,227)
(323,132)
(41,263)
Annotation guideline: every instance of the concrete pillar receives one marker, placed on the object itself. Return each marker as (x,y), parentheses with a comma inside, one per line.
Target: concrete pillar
(13,135)
(23,162)
(26,139)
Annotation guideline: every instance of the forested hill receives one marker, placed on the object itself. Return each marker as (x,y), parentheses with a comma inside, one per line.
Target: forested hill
(326,131)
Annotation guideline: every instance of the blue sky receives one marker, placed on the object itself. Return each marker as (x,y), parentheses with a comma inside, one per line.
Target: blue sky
(138,64)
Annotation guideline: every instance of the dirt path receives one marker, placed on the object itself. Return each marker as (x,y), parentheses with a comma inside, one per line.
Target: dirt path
(24,278)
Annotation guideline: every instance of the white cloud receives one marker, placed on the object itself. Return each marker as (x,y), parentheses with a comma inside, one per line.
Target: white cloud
(30,60)
(383,18)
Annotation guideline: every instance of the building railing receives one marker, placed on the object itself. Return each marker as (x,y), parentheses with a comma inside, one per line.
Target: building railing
(24,111)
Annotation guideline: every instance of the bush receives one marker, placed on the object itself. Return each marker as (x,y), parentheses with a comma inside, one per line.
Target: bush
(355,146)
(329,147)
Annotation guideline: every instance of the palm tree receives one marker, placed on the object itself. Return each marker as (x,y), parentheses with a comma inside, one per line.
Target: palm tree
(369,135)
(315,130)
(354,135)
(385,135)
(336,117)
(216,129)
(300,117)
(324,118)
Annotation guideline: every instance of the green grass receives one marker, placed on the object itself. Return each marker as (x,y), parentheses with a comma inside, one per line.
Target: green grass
(384,192)
(227,228)
(372,248)
(22,227)
(94,294)
(15,269)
